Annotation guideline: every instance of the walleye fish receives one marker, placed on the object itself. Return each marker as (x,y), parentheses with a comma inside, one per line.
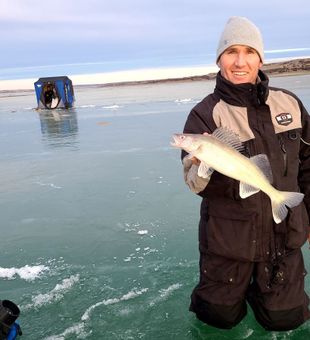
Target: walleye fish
(221,151)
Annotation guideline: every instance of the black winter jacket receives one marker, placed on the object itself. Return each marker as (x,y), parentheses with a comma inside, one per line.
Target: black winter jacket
(269,121)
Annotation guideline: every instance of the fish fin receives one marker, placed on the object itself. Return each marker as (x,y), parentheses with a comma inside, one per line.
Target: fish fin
(262,162)
(228,137)
(191,155)
(246,190)
(204,170)
(290,199)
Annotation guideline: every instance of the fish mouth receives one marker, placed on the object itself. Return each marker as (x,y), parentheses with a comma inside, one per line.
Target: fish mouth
(174,142)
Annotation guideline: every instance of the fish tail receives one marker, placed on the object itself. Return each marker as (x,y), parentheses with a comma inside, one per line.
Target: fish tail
(288,199)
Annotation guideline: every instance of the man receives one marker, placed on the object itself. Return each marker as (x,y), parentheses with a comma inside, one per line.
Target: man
(244,255)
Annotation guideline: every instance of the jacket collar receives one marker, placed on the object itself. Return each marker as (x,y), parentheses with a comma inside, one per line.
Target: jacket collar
(243,94)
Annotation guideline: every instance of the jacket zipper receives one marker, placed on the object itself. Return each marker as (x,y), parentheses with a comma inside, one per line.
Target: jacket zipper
(283,148)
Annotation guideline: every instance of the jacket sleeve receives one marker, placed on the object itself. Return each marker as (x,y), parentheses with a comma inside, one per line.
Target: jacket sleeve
(304,157)
(194,124)
(196,183)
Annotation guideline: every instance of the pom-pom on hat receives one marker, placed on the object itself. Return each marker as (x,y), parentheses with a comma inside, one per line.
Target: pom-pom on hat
(240,31)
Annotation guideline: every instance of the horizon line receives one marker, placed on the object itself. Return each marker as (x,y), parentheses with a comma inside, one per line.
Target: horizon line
(133,75)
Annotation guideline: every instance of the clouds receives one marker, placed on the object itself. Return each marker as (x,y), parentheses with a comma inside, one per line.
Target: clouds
(117,19)
(35,32)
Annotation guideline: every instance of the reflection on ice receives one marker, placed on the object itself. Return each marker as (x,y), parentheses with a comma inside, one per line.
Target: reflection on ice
(59,127)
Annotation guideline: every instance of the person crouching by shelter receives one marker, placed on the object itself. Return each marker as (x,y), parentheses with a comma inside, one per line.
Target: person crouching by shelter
(244,255)
(49,95)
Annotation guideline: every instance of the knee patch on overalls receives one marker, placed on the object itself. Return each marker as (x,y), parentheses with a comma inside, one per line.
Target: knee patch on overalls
(219,316)
(283,320)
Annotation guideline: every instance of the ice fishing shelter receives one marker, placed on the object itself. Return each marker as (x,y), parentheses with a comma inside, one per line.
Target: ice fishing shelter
(54,92)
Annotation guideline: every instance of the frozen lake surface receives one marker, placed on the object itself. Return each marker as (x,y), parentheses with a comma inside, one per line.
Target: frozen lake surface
(98,230)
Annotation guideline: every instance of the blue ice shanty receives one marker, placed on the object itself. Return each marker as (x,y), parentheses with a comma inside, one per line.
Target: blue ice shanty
(54,92)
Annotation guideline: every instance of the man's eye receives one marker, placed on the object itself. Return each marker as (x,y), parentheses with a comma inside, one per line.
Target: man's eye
(231,51)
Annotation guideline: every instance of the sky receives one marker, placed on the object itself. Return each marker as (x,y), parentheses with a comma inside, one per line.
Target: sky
(40,38)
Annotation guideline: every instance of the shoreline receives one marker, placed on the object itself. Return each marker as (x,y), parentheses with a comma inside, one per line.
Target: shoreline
(300,66)
(297,66)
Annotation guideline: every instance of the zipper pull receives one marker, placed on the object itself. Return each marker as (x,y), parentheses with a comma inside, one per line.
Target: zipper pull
(284,154)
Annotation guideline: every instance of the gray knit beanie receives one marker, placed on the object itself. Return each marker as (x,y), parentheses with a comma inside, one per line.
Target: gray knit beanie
(240,31)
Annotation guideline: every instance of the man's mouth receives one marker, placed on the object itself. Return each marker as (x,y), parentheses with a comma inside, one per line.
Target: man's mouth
(239,74)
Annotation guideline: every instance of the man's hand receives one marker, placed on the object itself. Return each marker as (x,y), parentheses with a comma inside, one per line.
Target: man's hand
(196,161)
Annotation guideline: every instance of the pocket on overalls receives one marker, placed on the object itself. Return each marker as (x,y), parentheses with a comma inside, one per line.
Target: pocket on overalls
(219,279)
(231,233)
(297,227)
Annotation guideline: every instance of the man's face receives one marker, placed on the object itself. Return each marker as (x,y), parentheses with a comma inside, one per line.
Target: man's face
(240,64)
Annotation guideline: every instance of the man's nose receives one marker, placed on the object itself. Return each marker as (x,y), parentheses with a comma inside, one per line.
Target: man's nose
(240,60)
